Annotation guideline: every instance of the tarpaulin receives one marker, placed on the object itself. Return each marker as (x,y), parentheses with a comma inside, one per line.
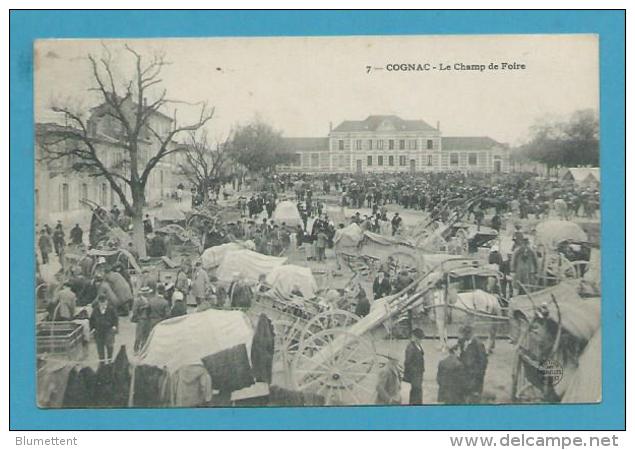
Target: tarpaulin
(185,340)
(283,278)
(579,316)
(213,256)
(551,232)
(287,212)
(248,263)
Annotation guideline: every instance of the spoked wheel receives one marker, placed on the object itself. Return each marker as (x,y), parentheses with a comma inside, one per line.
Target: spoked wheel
(286,343)
(336,318)
(338,366)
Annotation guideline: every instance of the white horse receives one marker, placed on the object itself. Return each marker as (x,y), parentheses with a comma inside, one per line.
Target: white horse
(477,301)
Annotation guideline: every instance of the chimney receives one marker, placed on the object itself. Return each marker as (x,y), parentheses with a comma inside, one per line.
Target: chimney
(438,126)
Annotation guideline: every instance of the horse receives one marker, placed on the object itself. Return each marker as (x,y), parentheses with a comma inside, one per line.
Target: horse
(477,301)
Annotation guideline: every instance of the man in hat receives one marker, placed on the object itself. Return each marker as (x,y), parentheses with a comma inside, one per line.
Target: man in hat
(381,286)
(524,265)
(402,281)
(76,235)
(451,378)
(414,366)
(58,238)
(389,384)
(474,359)
(396,223)
(158,307)
(200,283)
(44,243)
(103,324)
(141,316)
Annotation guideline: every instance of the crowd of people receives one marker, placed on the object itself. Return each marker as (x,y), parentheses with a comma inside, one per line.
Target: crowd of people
(108,290)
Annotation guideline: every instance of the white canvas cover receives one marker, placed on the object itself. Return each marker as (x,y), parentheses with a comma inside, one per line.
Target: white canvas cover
(213,256)
(552,232)
(184,340)
(248,263)
(586,383)
(283,278)
(287,212)
(349,236)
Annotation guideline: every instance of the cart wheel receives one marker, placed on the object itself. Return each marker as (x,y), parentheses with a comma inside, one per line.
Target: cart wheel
(335,318)
(337,365)
(286,343)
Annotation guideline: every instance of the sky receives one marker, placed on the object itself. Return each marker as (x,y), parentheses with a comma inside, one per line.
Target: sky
(301,85)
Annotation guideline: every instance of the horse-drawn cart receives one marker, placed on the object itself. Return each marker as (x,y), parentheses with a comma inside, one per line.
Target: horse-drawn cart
(551,329)
(332,352)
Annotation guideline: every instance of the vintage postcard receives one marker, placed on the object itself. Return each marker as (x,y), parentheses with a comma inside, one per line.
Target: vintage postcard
(300,221)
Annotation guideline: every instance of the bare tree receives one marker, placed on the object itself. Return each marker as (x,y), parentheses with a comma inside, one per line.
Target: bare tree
(204,164)
(124,101)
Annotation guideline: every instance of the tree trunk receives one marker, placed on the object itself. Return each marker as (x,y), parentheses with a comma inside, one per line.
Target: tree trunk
(138,233)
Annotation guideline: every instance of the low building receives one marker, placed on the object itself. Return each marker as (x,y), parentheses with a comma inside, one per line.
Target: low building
(391,144)
(60,188)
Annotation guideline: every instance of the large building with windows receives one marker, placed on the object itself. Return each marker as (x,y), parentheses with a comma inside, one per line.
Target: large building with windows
(60,189)
(391,144)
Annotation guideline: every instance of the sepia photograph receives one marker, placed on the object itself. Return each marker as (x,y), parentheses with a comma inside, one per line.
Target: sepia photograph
(317,221)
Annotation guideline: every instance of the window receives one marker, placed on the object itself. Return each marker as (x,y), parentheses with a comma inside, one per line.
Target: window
(454,159)
(370,144)
(84,191)
(64,199)
(472,159)
(340,144)
(429,160)
(103,194)
(380,160)
(402,160)
(297,159)
(369,160)
(429,144)
(412,145)
(380,145)
(391,144)
(402,144)
(315,159)
(391,160)
(358,144)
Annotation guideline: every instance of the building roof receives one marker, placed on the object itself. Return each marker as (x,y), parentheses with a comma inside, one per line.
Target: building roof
(469,143)
(103,108)
(383,123)
(306,144)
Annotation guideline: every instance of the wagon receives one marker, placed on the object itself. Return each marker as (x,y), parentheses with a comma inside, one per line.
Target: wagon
(551,329)
(373,252)
(61,339)
(332,354)
(564,249)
